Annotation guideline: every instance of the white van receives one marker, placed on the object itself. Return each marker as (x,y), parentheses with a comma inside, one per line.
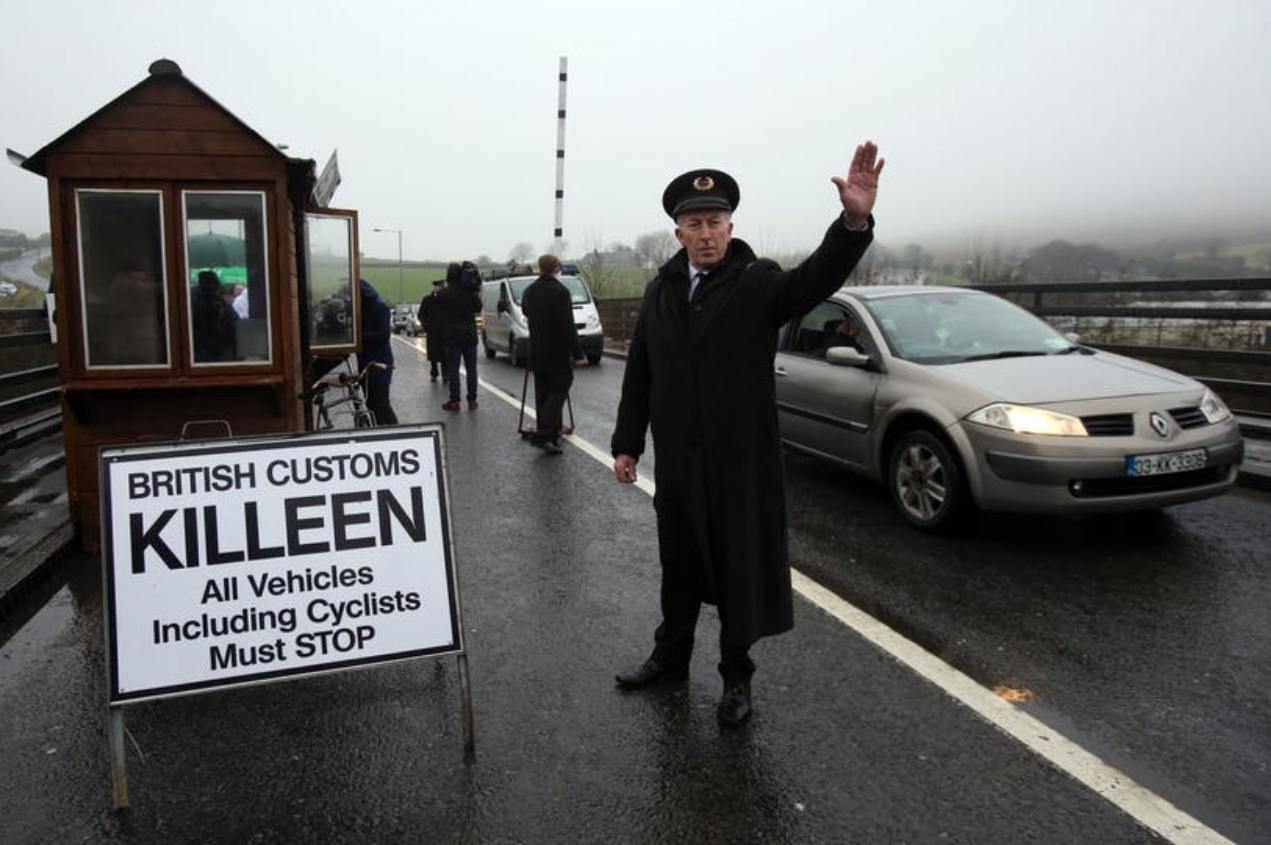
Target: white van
(506,329)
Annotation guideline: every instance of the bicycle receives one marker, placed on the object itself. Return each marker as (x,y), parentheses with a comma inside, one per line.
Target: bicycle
(351,383)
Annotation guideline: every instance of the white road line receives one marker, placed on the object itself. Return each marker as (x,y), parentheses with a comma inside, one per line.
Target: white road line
(1144,806)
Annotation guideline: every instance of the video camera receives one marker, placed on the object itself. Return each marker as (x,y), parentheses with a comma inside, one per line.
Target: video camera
(469,277)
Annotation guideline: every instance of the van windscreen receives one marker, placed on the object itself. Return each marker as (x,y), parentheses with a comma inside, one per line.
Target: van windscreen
(578,293)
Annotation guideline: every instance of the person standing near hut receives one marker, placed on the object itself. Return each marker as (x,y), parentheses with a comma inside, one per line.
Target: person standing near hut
(377,347)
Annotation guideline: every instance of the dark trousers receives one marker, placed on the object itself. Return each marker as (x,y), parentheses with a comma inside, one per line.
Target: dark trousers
(468,352)
(551,388)
(683,585)
(377,388)
(436,356)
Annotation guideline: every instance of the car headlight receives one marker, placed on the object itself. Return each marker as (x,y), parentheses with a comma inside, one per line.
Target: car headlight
(593,322)
(1213,408)
(1023,419)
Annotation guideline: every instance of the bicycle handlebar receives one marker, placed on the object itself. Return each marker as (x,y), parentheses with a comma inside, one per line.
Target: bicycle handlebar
(344,380)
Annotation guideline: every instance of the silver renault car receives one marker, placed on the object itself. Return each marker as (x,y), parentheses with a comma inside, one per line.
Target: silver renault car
(957,398)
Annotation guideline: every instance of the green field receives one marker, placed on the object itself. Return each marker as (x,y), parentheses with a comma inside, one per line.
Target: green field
(618,282)
(416,279)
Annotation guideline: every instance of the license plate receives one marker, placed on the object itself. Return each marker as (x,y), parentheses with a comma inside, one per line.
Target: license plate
(1164,463)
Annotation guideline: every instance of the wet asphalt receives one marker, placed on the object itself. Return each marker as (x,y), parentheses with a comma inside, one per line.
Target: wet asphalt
(1144,640)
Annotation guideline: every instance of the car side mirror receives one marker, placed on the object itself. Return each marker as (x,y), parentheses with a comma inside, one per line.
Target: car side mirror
(502,307)
(846,356)
(1073,338)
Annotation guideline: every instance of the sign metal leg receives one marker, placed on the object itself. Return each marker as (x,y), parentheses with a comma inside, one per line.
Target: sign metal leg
(118,763)
(465,692)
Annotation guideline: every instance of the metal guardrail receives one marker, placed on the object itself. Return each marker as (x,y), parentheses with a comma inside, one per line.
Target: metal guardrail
(25,376)
(1241,376)
(33,413)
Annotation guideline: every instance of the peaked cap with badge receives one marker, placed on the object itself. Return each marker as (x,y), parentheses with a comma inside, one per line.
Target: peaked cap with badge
(700,189)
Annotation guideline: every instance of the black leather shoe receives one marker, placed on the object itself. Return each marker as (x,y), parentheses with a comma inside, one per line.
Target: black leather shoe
(734,706)
(649,673)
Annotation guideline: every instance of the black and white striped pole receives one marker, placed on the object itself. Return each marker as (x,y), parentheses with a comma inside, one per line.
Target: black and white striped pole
(558,243)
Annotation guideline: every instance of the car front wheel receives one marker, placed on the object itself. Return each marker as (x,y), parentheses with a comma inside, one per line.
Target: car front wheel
(926,481)
(485,341)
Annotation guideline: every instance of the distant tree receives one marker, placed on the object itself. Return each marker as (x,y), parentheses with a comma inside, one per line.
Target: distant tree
(522,252)
(869,270)
(915,261)
(484,261)
(1061,261)
(654,249)
(598,269)
(622,255)
(985,264)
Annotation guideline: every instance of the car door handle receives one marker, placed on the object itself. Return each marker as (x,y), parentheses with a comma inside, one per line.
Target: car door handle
(781,371)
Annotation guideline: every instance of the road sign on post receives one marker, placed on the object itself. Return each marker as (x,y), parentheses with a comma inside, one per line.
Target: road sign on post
(328,181)
(246,561)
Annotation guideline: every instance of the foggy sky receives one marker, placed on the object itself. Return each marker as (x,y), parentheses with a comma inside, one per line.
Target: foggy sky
(996,118)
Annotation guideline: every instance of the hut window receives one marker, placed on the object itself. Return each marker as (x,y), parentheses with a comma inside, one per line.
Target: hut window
(329,273)
(228,279)
(122,278)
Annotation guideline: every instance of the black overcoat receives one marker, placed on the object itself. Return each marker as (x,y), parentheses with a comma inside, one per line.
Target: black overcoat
(455,310)
(700,375)
(431,324)
(549,310)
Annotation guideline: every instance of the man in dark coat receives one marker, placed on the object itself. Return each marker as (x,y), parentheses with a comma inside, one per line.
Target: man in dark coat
(212,320)
(700,374)
(377,346)
(457,306)
(436,348)
(554,349)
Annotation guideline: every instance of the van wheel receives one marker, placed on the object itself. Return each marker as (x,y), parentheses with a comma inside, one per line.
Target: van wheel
(485,342)
(926,481)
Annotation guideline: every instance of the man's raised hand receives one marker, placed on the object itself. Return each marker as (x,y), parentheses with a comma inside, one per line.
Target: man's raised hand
(859,190)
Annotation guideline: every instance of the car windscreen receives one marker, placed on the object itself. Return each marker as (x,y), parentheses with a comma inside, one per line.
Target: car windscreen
(949,328)
(577,290)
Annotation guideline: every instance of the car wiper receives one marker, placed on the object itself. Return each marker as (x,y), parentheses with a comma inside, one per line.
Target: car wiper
(1068,351)
(1005,353)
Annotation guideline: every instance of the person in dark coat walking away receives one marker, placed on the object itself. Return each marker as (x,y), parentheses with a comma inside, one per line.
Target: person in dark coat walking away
(700,374)
(377,346)
(457,305)
(554,349)
(431,324)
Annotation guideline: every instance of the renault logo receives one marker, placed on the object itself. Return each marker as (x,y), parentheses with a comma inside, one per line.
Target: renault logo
(1158,423)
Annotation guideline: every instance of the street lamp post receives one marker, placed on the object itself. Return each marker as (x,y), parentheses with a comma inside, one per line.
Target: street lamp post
(397,232)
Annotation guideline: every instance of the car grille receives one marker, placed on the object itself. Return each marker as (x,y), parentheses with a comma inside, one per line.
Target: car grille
(1109,425)
(1188,417)
(1092,488)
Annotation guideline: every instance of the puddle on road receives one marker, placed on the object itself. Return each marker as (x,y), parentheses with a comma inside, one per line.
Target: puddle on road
(32,643)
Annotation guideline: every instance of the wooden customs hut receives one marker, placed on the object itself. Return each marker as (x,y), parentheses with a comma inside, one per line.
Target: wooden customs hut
(195,277)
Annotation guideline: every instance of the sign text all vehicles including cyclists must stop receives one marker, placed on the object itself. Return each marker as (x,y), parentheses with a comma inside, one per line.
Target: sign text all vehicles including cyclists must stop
(257,559)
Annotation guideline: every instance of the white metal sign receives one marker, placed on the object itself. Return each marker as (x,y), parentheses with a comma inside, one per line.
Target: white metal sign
(249,560)
(327,182)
